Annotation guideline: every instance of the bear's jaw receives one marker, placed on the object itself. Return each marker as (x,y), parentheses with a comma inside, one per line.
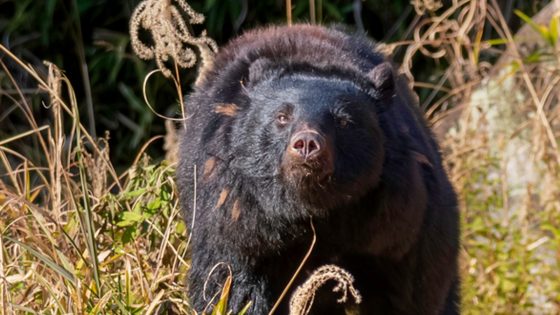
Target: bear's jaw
(310,190)
(308,176)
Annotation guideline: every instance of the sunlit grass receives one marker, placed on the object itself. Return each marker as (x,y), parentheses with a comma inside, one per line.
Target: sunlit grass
(78,237)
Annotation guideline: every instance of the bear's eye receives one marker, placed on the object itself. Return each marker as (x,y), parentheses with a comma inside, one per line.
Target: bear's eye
(282,119)
(343,122)
(341,115)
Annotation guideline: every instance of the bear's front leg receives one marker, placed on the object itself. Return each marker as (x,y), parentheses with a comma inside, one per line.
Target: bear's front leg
(247,288)
(207,279)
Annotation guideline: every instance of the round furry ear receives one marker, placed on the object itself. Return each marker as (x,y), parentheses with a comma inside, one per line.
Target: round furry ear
(260,70)
(383,79)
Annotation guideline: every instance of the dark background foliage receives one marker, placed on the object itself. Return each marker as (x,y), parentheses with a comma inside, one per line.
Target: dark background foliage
(89,39)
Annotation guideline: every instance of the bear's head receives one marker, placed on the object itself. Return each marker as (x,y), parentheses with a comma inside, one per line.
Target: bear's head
(313,134)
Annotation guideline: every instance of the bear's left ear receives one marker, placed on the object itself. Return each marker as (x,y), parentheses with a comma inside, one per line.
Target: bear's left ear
(382,78)
(260,70)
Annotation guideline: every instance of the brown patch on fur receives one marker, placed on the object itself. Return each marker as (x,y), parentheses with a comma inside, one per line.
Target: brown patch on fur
(235,211)
(422,159)
(209,167)
(226,109)
(222,198)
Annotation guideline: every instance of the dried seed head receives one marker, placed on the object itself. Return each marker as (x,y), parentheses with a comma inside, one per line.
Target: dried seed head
(170,34)
(302,299)
(421,6)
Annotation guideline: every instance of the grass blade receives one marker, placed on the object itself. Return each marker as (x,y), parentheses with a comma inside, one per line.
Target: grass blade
(47,261)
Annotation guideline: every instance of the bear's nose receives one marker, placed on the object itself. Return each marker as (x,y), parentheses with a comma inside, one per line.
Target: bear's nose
(307,144)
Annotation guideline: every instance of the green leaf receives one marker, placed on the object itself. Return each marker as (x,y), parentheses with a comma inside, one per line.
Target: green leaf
(130,218)
(153,205)
(542,30)
(135,193)
(497,41)
(245,309)
(129,234)
(477,225)
(534,57)
(526,19)
(49,262)
(180,228)
(507,285)
(553,229)
(221,306)
(553,30)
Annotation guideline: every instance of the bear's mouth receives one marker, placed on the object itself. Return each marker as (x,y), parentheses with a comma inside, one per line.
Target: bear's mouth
(317,171)
(310,178)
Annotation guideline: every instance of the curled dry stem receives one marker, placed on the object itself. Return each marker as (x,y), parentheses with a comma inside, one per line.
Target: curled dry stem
(171,35)
(302,299)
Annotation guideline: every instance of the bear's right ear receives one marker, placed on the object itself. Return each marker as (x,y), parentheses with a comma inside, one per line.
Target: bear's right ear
(260,70)
(383,80)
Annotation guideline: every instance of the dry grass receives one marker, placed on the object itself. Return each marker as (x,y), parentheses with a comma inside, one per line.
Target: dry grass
(76,237)
(500,141)
(302,299)
(171,34)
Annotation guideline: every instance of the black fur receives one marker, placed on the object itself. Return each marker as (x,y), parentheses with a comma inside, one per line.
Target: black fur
(378,195)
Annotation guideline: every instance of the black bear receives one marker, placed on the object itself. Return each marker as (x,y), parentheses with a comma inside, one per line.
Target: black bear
(294,126)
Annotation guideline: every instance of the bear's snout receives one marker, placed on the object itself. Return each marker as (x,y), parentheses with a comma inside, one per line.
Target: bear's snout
(306,145)
(308,157)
